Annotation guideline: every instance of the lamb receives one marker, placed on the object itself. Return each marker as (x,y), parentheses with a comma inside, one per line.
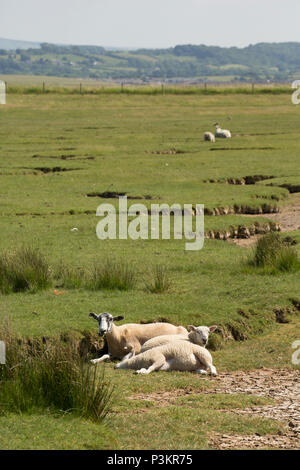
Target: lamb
(197,335)
(127,340)
(209,137)
(222,133)
(178,355)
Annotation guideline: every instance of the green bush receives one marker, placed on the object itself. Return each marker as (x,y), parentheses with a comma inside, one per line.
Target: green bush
(274,255)
(50,375)
(69,277)
(26,269)
(111,274)
(160,282)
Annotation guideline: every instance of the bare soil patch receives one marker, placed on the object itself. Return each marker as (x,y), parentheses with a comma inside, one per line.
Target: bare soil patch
(171,151)
(64,157)
(282,385)
(288,218)
(116,195)
(240,148)
(55,169)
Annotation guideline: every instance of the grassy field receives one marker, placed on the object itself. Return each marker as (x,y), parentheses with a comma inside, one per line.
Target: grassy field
(216,85)
(56,151)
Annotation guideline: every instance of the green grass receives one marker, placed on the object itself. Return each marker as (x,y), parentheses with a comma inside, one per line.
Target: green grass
(25,269)
(112,274)
(47,431)
(63,86)
(273,255)
(161,281)
(50,375)
(118,143)
(107,273)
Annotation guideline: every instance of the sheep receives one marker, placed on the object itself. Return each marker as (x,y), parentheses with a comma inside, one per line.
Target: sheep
(197,335)
(127,340)
(209,137)
(222,133)
(178,355)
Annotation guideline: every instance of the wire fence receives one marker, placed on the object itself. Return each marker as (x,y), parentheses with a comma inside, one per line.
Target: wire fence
(83,88)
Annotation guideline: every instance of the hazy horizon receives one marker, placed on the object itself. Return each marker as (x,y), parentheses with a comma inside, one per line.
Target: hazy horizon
(160,24)
(108,46)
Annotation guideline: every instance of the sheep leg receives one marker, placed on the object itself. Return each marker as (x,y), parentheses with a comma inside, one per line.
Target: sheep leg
(206,364)
(131,349)
(130,354)
(201,371)
(212,370)
(158,364)
(102,358)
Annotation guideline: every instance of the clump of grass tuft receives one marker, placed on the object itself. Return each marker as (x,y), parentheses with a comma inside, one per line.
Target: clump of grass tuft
(273,255)
(111,274)
(69,277)
(160,282)
(26,269)
(50,375)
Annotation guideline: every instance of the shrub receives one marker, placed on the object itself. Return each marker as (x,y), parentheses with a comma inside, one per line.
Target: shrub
(111,274)
(273,255)
(23,270)
(69,277)
(52,375)
(160,282)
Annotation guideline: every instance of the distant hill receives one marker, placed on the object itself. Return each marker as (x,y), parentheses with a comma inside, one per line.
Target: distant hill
(260,62)
(12,44)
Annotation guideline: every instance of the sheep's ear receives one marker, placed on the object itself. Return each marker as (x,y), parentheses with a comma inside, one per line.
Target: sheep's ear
(92,314)
(191,328)
(118,318)
(213,328)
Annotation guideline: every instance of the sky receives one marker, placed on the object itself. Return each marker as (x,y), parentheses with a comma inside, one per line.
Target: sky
(151,23)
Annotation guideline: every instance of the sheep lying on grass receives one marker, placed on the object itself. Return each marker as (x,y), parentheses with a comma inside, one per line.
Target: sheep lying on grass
(197,335)
(222,133)
(209,137)
(178,355)
(127,340)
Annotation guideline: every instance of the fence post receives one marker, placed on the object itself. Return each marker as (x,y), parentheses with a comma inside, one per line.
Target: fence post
(80,88)
(163,88)
(122,87)
(44,87)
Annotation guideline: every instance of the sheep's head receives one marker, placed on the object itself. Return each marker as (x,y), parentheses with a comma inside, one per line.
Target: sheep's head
(105,321)
(199,334)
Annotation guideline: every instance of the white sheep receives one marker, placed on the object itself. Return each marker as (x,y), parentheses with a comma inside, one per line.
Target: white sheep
(127,340)
(178,355)
(209,137)
(197,335)
(222,133)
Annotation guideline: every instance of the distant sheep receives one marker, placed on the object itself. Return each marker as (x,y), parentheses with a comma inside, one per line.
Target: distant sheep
(178,355)
(127,340)
(222,133)
(209,137)
(197,335)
